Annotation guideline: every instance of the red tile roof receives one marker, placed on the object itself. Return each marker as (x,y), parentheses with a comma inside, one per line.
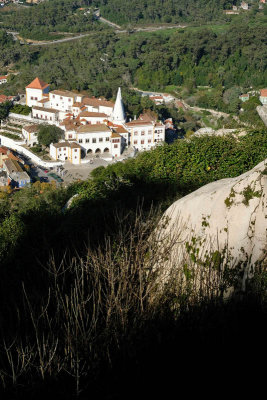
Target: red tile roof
(263,92)
(92,114)
(37,84)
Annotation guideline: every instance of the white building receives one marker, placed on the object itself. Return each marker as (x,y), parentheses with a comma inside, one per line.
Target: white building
(3,79)
(94,138)
(87,117)
(263,96)
(36,91)
(30,134)
(66,151)
(145,132)
(46,114)
(98,105)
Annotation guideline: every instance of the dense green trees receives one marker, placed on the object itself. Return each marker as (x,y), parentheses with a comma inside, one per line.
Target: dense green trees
(49,134)
(168,11)
(189,57)
(50,16)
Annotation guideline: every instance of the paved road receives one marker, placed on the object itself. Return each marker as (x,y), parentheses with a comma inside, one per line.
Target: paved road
(118,30)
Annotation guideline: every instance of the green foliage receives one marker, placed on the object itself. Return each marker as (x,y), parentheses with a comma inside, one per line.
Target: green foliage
(11,135)
(49,134)
(4,109)
(11,230)
(20,109)
(51,16)
(250,114)
(248,194)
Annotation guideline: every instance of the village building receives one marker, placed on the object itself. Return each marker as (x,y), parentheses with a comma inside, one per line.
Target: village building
(97,126)
(157,99)
(263,96)
(244,97)
(3,79)
(36,91)
(18,177)
(64,151)
(244,5)
(6,154)
(29,133)
(88,117)
(46,114)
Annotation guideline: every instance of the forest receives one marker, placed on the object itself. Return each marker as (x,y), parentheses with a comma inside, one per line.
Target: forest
(168,11)
(232,58)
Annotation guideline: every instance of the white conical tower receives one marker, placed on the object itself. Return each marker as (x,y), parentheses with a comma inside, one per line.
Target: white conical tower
(118,115)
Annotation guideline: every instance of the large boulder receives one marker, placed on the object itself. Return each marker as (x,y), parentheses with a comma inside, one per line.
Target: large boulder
(226,218)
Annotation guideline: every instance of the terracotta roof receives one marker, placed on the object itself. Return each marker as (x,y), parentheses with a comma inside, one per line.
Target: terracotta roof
(244,95)
(156,97)
(148,116)
(79,105)
(67,144)
(3,77)
(91,101)
(63,93)
(120,129)
(31,128)
(93,128)
(12,166)
(138,122)
(92,114)
(37,84)
(49,110)
(263,92)
(115,135)
(43,101)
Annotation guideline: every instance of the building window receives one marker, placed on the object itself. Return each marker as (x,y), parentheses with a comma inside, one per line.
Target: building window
(31,98)
(80,140)
(87,140)
(150,132)
(135,133)
(64,149)
(70,136)
(115,146)
(149,140)
(53,96)
(142,133)
(142,142)
(75,151)
(69,99)
(116,141)
(101,139)
(107,139)
(94,140)
(60,98)
(135,141)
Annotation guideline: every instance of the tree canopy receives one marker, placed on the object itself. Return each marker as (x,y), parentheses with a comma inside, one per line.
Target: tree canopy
(49,134)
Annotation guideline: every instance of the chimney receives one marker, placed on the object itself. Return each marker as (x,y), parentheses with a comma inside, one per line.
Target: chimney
(135,117)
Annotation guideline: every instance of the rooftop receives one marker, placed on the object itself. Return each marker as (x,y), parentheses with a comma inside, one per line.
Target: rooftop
(50,110)
(72,145)
(92,114)
(93,128)
(31,128)
(37,84)
(92,101)
(63,93)
(263,92)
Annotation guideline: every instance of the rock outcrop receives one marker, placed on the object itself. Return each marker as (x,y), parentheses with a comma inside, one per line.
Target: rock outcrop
(226,217)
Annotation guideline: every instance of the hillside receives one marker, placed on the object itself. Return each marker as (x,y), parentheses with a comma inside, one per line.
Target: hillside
(80,309)
(170,11)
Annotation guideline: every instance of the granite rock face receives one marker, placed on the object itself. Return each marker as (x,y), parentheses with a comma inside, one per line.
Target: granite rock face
(227,216)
